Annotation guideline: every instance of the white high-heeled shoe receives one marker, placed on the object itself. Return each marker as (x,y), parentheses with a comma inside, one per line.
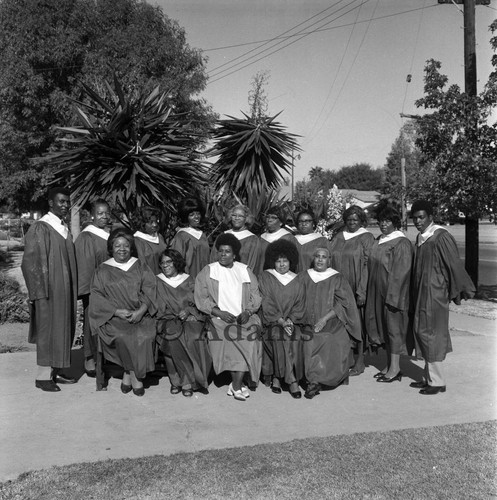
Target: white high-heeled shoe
(245,391)
(238,395)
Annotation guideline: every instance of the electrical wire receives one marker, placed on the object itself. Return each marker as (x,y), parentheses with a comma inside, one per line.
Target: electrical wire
(220,76)
(336,76)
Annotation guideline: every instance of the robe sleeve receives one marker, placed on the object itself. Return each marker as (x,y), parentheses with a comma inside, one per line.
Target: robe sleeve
(367,241)
(344,305)
(399,276)
(101,309)
(297,313)
(148,289)
(254,254)
(458,279)
(254,297)
(192,308)
(182,243)
(86,259)
(35,263)
(164,310)
(271,312)
(203,299)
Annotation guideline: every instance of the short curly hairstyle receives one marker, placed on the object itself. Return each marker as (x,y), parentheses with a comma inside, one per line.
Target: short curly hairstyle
(121,232)
(356,210)
(143,216)
(187,206)
(278,212)
(178,260)
(227,239)
(422,205)
(389,213)
(281,248)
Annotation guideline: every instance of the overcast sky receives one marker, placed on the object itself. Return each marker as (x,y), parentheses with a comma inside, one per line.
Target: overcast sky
(342,85)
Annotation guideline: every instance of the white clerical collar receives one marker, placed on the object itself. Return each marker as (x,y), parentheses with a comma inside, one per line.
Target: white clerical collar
(216,271)
(97,231)
(270,237)
(317,276)
(147,237)
(284,279)
(174,281)
(306,238)
(389,237)
(123,266)
(58,224)
(349,236)
(240,235)
(196,233)
(429,232)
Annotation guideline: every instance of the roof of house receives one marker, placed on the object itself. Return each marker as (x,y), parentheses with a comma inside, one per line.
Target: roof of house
(364,196)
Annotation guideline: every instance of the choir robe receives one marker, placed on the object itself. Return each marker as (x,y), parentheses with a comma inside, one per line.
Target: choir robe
(149,251)
(187,357)
(49,270)
(350,257)
(91,251)
(233,347)
(267,238)
(307,244)
(438,276)
(389,267)
(192,244)
(327,354)
(130,345)
(250,251)
(282,355)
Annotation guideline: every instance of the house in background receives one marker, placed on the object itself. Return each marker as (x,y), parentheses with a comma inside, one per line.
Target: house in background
(363,199)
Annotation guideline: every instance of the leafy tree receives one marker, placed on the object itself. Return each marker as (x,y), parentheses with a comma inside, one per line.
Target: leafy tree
(49,49)
(132,151)
(418,173)
(456,139)
(359,176)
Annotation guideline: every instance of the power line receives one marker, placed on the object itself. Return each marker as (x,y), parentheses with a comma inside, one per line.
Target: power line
(350,69)
(323,29)
(276,50)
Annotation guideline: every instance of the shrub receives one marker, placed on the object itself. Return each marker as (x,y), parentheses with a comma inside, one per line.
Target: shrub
(13,303)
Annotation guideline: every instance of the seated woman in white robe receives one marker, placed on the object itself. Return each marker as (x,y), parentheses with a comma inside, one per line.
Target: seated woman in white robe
(228,292)
(333,324)
(122,298)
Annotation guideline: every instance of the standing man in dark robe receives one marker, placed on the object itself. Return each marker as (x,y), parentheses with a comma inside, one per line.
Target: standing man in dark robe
(438,276)
(49,269)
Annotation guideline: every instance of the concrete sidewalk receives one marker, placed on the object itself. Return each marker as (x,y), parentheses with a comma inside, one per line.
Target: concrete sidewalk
(78,424)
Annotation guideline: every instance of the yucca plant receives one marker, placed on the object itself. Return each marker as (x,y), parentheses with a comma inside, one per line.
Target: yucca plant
(131,150)
(253,155)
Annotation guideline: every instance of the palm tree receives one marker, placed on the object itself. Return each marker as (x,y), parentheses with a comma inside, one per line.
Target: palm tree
(254,155)
(133,151)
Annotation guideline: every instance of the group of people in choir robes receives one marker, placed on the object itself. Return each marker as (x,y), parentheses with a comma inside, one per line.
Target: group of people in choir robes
(286,309)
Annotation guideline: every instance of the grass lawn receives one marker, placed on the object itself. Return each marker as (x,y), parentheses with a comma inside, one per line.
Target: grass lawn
(448,462)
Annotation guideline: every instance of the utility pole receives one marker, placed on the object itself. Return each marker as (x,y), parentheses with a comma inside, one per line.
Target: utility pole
(294,157)
(471,230)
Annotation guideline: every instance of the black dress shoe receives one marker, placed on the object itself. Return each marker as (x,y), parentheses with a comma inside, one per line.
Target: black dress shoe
(47,385)
(139,392)
(91,373)
(388,380)
(276,389)
(433,389)
(188,393)
(296,395)
(378,375)
(126,388)
(174,390)
(418,385)
(312,390)
(63,379)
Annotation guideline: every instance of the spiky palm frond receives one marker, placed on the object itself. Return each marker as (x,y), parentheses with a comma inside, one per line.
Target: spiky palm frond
(253,155)
(132,151)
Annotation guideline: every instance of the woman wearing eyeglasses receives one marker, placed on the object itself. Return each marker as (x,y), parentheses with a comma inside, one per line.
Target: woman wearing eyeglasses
(308,240)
